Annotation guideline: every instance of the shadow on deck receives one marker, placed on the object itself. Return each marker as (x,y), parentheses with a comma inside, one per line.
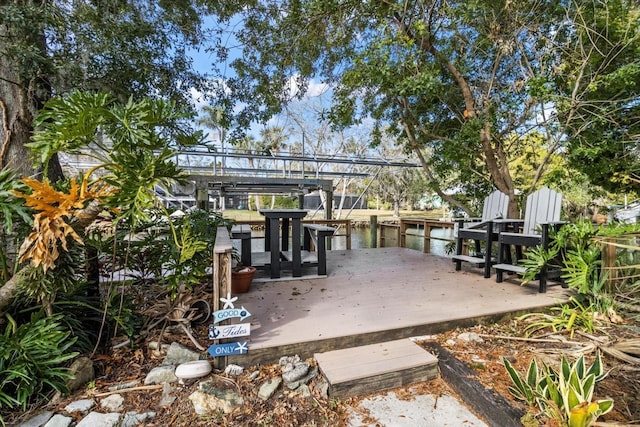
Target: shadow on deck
(377,295)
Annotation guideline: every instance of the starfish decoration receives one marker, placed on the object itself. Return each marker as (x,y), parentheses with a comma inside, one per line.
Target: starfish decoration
(228,301)
(242,347)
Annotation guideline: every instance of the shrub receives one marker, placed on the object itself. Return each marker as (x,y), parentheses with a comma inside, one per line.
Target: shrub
(32,360)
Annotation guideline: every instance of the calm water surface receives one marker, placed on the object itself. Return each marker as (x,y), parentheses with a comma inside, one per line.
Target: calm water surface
(360,238)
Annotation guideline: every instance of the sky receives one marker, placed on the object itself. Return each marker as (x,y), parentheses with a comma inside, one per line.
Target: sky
(317,97)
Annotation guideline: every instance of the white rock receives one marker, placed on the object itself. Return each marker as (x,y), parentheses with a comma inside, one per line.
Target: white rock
(95,419)
(194,369)
(80,406)
(221,400)
(233,370)
(59,420)
(134,419)
(37,420)
(268,388)
(470,337)
(112,403)
(161,374)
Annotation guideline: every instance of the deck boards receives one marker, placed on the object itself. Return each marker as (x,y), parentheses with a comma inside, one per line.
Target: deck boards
(376,367)
(376,295)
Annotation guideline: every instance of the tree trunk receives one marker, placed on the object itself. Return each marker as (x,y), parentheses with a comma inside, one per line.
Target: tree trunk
(20,99)
(9,290)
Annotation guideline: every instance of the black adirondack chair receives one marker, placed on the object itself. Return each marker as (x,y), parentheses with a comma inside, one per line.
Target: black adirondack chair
(496,206)
(542,212)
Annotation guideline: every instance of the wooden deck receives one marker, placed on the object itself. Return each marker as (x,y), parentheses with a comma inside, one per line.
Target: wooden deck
(376,295)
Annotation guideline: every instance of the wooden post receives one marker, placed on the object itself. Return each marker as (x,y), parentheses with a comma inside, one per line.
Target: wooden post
(609,263)
(402,234)
(427,238)
(202,199)
(221,275)
(373,231)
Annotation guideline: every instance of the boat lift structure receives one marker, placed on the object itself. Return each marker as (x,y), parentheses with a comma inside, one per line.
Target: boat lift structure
(289,174)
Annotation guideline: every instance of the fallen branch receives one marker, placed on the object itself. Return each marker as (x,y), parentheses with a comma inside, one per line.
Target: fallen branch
(593,337)
(618,350)
(126,390)
(538,340)
(623,350)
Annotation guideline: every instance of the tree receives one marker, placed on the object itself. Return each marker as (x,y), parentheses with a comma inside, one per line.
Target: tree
(137,159)
(457,82)
(248,144)
(134,48)
(130,49)
(597,92)
(273,141)
(215,118)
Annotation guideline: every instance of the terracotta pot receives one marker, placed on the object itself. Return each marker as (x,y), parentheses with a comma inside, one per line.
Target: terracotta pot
(241,280)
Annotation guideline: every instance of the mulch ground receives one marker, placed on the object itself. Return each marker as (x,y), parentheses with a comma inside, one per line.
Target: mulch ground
(289,408)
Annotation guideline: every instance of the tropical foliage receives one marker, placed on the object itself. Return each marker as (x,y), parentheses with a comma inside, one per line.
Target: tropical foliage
(565,395)
(32,357)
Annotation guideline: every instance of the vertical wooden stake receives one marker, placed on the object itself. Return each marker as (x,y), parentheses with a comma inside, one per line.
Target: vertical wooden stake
(373,231)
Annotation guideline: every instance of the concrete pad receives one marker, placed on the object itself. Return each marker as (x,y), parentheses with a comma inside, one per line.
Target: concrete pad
(425,410)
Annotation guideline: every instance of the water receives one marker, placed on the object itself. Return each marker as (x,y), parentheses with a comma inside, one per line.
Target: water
(360,238)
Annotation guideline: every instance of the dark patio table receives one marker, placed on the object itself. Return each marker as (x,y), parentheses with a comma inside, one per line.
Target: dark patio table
(274,242)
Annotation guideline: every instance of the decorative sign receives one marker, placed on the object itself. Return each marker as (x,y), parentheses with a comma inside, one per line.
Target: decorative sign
(228,349)
(220,315)
(229,331)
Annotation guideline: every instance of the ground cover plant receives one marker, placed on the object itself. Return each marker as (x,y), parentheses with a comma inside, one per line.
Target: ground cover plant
(598,264)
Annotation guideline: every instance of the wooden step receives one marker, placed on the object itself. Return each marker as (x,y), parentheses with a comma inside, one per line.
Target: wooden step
(376,367)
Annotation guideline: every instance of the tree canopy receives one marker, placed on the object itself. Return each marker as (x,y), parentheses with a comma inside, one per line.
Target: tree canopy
(461,83)
(128,49)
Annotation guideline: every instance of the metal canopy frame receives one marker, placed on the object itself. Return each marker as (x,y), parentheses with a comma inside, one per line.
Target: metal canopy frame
(229,185)
(337,158)
(223,180)
(252,184)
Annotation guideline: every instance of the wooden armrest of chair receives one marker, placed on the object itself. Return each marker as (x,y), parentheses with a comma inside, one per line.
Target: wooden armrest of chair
(477,225)
(508,221)
(466,219)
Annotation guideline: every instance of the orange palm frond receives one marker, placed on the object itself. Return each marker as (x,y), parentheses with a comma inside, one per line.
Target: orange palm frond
(50,229)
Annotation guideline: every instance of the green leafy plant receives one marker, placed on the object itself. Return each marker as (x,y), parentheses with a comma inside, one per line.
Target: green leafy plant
(32,359)
(568,317)
(577,249)
(565,395)
(187,248)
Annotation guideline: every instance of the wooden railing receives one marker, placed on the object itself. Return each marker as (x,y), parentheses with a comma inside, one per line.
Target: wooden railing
(400,230)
